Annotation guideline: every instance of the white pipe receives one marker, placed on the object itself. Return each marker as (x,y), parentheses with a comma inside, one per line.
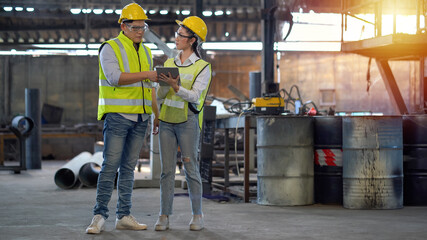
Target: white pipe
(88,174)
(67,175)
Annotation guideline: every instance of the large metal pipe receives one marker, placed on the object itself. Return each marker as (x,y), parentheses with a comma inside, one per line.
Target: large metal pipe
(268,30)
(6,87)
(67,176)
(154,38)
(89,172)
(33,142)
(254,85)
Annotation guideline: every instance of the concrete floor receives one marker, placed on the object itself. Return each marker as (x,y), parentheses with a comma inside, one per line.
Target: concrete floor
(33,207)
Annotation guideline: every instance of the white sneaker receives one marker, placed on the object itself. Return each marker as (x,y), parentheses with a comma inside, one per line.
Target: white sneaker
(196,223)
(162,223)
(97,224)
(129,223)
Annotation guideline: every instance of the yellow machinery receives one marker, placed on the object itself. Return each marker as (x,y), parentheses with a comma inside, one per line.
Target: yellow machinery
(268,105)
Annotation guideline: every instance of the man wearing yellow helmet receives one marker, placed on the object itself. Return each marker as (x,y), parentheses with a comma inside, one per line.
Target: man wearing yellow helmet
(126,101)
(180,119)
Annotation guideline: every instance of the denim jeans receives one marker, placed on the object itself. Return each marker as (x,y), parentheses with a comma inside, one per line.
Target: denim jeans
(123,141)
(186,135)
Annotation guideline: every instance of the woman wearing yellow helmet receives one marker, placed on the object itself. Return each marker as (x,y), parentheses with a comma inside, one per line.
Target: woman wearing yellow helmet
(180,116)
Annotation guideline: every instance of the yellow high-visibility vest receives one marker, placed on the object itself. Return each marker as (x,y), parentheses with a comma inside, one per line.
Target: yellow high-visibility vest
(133,98)
(175,109)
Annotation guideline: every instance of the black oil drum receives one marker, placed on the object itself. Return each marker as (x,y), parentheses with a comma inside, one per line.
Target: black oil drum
(372,162)
(328,159)
(415,160)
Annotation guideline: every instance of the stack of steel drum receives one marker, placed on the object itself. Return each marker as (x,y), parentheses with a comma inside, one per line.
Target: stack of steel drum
(361,162)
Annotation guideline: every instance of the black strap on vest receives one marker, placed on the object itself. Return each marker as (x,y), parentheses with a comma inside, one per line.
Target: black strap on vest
(192,108)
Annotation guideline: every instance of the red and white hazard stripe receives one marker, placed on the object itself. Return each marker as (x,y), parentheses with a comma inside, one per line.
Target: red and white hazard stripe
(328,157)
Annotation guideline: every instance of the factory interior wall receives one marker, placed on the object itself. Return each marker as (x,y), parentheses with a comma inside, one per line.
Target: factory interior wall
(64,81)
(329,79)
(339,80)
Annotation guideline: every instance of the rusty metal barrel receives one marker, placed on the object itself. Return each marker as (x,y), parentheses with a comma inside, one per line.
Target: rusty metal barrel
(372,162)
(415,160)
(285,160)
(328,159)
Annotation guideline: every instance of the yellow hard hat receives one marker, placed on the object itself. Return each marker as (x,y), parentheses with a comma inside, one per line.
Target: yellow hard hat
(133,11)
(195,24)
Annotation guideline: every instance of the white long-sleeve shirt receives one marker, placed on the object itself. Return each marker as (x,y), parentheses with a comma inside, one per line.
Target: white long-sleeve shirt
(200,84)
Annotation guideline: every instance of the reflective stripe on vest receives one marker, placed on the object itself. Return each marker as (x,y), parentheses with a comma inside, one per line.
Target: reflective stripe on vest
(125,60)
(123,102)
(172,103)
(148,57)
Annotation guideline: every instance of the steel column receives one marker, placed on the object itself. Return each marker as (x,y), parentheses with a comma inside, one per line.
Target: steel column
(198,5)
(267,37)
(33,143)
(154,38)
(7,86)
(391,86)
(227,160)
(246,154)
(423,87)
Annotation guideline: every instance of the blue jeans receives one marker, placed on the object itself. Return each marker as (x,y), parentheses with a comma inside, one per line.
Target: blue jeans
(123,141)
(186,135)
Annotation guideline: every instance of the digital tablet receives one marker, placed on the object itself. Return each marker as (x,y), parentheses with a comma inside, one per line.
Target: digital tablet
(166,70)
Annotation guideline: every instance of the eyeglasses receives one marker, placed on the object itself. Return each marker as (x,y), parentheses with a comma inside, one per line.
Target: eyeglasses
(137,28)
(177,35)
